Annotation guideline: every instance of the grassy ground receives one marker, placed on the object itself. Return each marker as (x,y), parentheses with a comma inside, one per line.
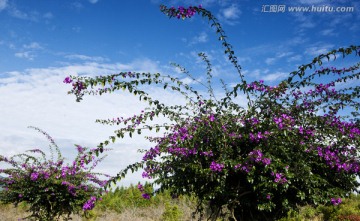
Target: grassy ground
(126,204)
(10,213)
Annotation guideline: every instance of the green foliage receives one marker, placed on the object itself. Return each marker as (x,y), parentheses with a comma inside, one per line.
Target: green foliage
(289,147)
(126,197)
(348,210)
(172,213)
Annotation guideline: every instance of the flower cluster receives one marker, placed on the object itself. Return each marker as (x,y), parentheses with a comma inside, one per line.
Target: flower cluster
(279,178)
(255,156)
(333,159)
(142,190)
(259,86)
(62,188)
(180,12)
(216,167)
(335,201)
(90,204)
(284,121)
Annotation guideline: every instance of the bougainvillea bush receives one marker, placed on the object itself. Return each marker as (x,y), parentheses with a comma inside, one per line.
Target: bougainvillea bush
(295,143)
(53,189)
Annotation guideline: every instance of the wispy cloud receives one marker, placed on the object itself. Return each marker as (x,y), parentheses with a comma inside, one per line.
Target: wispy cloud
(265,74)
(256,73)
(84,58)
(38,97)
(278,56)
(311,1)
(3,4)
(230,14)
(26,55)
(28,51)
(93,1)
(294,58)
(48,15)
(275,76)
(32,45)
(76,29)
(201,38)
(76,5)
(270,60)
(318,49)
(328,32)
(17,13)
(305,21)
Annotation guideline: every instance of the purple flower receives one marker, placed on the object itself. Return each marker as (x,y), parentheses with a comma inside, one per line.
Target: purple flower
(280,178)
(89,205)
(67,80)
(268,196)
(216,167)
(34,176)
(80,148)
(146,175)
(336,202)
(140,187)
(266,161)
(146,196)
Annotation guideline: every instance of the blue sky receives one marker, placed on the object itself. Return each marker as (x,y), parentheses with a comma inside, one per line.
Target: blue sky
(42,42)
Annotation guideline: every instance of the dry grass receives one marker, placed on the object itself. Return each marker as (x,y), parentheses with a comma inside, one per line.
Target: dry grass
(11,213)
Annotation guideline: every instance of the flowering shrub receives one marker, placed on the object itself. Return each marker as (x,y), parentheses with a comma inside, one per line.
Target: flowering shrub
(290,146)
(51,188)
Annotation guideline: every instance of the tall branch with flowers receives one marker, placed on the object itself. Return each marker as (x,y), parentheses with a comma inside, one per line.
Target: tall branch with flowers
(52,189)
(290,146)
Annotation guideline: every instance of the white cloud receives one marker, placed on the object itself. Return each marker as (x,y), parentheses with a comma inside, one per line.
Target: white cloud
(26,55)
(38,97)
(317,50)
(328,32)
(294,58)
(93,1)
(275,76)
(48,15)
(16,13)
(32,45)
(230,14)
(3,4)
(201,38)
(305,20)
(270,60)
(84,58)
(76,29)
(255,73)
(278,56)
(76,5)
